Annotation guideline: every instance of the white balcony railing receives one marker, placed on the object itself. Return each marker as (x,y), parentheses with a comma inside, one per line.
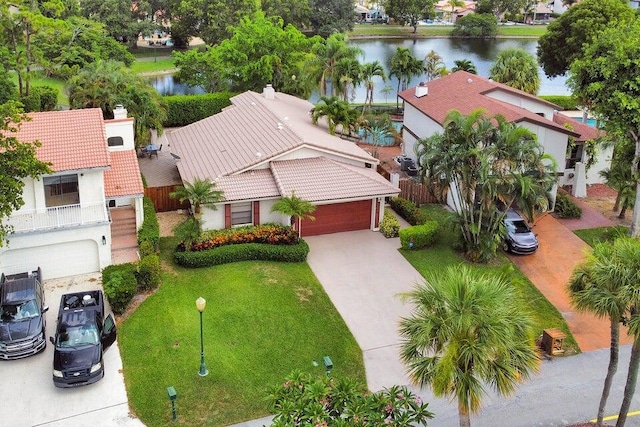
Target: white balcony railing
(58,217)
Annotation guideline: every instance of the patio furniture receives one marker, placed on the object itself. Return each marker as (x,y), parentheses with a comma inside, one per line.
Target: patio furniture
(152,149)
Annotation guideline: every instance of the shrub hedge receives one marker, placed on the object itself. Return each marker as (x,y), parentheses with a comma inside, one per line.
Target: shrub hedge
(408,210)
(243,252)
(148,274)
(421,235)
(183,110)
(119,284)
(150,229)
(565,102)
(566,208)
(273,234)
(390,225)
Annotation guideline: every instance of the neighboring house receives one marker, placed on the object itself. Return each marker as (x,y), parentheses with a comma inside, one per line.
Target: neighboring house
(540,14)
(427,105)
(443,8)
(263,147)
(64,226)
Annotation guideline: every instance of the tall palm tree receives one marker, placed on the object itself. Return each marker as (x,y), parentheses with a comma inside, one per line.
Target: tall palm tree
(404,66)
(598,285)
(348,77)
(379,127)
(333,109)
(465,65)
(201,192)
(369,71)
(433,66)
(516,68)
(295,207)
(459,339)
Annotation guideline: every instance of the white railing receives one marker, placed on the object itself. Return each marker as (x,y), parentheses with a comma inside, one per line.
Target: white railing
(58,217)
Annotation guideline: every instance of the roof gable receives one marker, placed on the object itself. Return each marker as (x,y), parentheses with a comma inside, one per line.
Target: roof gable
(71,140)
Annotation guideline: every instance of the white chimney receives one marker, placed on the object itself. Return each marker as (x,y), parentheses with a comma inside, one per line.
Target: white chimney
(120,112)
(269,92)
(421,90)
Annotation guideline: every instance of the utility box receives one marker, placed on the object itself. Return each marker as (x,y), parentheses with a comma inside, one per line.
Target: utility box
(553,341)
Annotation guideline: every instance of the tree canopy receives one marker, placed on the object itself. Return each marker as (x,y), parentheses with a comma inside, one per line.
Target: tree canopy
(294,12)
(331,16)
(607,76)
(122,20)
(17,162)
(568,35)
(516,68)
(409,12)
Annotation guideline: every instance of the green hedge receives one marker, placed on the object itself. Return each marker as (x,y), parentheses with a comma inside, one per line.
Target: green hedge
(119,284)
(421,235)
(186,109)
(408,210)
(563,101)
(148,274)
(150,229)
(243,252)
(566,208)
(390,225)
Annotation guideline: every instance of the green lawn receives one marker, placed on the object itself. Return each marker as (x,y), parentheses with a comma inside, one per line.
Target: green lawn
(442,255)
(262,320)
(162,64)
(57,84)
(602,234)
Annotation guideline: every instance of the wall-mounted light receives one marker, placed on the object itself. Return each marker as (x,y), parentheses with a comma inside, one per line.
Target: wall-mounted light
(104,240)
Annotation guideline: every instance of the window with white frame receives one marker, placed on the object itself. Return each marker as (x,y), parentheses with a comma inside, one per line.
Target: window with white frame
(61,190)
(115,141)
(242,213)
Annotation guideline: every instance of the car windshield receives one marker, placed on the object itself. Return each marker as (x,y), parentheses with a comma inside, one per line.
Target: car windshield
(519,227)
(20,311)
(75,336)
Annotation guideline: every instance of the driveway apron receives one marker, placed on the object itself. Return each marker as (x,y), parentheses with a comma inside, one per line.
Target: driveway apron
(364,274)
(550,268)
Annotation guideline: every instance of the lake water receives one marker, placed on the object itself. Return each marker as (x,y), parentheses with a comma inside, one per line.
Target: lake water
(481,52)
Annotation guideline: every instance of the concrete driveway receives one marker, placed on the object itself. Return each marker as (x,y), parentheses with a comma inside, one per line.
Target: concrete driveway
(29,397)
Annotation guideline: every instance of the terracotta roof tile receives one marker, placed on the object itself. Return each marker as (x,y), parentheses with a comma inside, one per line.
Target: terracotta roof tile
(123,179)
(585,131)
(72,139)
(319,179)
(467,92)
(250,185)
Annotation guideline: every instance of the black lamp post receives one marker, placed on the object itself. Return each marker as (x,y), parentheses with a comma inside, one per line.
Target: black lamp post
(200,305)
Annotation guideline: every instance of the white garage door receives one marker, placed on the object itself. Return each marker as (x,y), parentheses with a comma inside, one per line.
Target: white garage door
(59,260)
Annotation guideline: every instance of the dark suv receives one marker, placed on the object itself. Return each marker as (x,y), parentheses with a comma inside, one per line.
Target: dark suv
(22,309)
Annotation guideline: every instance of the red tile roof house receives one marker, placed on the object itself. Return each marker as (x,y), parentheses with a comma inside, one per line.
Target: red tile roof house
(264,146)
(427,105)
(64,226)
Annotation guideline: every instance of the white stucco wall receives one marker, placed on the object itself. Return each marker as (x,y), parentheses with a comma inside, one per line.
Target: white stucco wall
(214,220)
(526,103)
(90,186)
(123,128)
(553,142)
(420,125)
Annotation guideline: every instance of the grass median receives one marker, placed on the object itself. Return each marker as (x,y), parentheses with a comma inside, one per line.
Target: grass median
(262,320)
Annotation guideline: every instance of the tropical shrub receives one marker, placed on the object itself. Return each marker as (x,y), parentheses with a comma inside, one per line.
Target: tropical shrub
(408,210)
(183,110)
(148,274)
(272,234)
(243,252)
(476,25)
(419,236)
(390,225)
(566,208)
(119,284)
(150,229)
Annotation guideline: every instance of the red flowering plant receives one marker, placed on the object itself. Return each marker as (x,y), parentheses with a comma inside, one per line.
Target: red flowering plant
(271,234)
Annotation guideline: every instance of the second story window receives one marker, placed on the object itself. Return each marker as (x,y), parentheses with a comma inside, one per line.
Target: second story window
(61,190)
(115,141)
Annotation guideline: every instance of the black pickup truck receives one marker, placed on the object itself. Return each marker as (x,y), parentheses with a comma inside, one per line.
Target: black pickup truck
(22,309)
(82,334)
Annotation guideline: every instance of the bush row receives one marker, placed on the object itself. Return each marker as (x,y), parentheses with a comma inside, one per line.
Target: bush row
(272,234)
(563,101)
(40,98)
(243,252)
(149,232)
(419,236)
(566,208)
(183,110)
(120,284)
(390,225)
(408,210)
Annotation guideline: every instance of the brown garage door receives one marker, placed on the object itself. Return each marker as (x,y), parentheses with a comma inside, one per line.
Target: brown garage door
(339,217)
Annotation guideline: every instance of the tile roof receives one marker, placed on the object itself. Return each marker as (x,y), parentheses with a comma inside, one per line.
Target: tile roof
(318,179)
(123,179)
(467,92)
(72,139)
(250,185)
(250,132)
(585,131)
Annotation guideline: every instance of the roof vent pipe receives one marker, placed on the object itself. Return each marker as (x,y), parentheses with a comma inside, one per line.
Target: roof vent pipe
(269,92)
(421,90)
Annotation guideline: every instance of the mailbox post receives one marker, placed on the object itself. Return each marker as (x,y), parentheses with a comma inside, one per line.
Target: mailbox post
(172,397)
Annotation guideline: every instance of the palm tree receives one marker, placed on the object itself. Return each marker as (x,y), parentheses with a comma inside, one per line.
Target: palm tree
(433,66)
(369,71)
(201,192)
(349,76)
(597,286)
(404,66)
(459,339)
(464,65)
(379,127)
(188,232)
(295,207)
(516,68)
(454,4)
(337,112)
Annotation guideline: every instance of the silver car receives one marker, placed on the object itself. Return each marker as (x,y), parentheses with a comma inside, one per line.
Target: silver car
(519,238)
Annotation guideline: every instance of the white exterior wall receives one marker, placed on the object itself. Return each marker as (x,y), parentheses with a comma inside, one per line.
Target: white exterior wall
(267,216)
(212,219)
(593,174)
(123,128)
(553,142)
(526,103)
(419,124)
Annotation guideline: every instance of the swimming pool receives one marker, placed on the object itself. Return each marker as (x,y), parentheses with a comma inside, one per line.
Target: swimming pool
(386,141)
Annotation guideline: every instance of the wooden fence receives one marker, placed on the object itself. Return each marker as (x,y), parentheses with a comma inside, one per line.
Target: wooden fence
(416,192)
(161,200)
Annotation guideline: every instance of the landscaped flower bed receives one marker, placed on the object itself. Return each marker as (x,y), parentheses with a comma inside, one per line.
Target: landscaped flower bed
(272,234)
